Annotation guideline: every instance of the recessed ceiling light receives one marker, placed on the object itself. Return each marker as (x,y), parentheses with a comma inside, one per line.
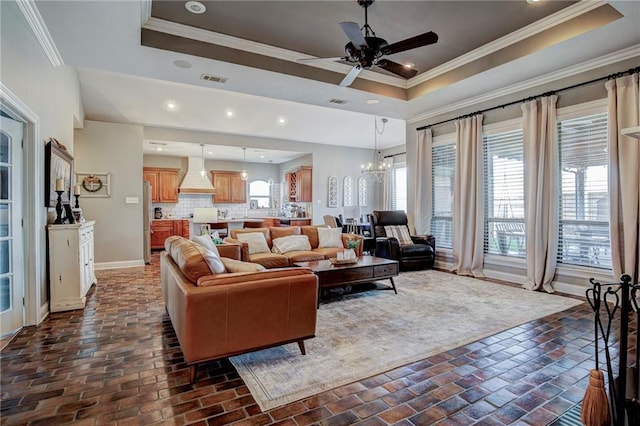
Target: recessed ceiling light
(171,106)
(533,1)
(409,65)
(195,7)
(159,148)
(229,113)
(282,120)
(372,101)
(210,152)
(181,63)
(262,156)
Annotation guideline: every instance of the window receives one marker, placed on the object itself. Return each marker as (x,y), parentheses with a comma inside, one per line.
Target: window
(260,192)
(399,187)
(584,196)
(504,191)
(443,175)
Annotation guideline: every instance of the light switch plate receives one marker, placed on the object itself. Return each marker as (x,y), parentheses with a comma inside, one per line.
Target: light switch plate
(131,200)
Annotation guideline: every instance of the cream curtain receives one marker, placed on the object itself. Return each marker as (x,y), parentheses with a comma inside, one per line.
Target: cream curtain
(387,188)
(422,207)
(624,175)
(541,174)
(468,199)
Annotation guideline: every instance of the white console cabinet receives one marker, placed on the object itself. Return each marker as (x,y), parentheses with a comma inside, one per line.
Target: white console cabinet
(71,272)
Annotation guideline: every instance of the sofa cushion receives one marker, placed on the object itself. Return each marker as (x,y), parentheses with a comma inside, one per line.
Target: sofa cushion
(256,241)
(311,231)
(290,243)
(304,256)
(194,260)
(270,260)
(205,241)
(237,231)
(328,252)
(400,232)
(330,237)
(283,231)
(232,265)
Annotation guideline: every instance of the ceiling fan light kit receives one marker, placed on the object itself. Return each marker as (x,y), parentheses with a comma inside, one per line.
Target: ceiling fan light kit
(367,50)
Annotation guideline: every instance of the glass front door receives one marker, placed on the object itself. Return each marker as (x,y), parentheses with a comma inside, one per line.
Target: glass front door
(11,237)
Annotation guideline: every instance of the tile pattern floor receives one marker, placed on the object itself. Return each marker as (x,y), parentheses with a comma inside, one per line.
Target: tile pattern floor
(118,362)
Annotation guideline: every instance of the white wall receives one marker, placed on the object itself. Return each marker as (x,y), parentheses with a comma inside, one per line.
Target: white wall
(117,149)
(53,95)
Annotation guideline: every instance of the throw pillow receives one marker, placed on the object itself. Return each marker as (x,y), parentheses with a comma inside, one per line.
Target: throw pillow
(330,237)
(206,242)
(256,241)
(400,232)
(233,265)
(291,243)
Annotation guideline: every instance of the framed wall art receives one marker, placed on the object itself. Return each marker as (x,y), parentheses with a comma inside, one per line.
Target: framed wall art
(332,193)
(58,164)
(94,184)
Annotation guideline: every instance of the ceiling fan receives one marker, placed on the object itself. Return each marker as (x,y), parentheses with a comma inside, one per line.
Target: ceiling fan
(368,49)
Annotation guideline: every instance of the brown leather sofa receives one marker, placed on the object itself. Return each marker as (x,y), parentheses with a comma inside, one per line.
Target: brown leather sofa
(278,260)
(220,315)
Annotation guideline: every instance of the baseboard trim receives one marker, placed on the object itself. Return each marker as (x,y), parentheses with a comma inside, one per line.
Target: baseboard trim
(44,312)
(117,265)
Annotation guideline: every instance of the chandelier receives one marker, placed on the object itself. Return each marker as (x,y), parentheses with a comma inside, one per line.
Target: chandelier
(378,168)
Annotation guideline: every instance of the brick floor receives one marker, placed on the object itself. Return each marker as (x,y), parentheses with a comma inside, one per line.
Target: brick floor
(118,362)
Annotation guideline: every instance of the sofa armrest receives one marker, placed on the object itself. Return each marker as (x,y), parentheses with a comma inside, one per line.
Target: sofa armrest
(387,247)
(425,239)
(230,250)
(347,237)
(244,251)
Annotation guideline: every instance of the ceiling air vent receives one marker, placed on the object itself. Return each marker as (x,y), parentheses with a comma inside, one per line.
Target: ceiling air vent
(337,101)
(214,78)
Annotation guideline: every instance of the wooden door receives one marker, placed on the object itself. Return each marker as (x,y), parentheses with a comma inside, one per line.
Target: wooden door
(222,184)
(303,185)
(152,177)
(238,189)
(160,231)
(168,181)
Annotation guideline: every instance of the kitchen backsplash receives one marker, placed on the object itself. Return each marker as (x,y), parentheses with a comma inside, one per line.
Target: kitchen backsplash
(187,202)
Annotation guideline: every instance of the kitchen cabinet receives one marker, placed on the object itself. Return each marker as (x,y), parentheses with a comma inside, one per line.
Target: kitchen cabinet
(71,267)
(165,228)
(299,184)
(164,184)
(229,187)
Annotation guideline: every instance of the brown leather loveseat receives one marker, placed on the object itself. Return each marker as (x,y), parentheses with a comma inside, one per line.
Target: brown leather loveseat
(315,251)
(229,313)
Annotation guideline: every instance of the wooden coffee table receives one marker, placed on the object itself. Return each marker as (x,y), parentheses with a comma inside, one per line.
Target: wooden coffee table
(366,269)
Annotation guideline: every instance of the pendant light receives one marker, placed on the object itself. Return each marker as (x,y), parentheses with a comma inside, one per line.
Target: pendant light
(244,174)
(203,171)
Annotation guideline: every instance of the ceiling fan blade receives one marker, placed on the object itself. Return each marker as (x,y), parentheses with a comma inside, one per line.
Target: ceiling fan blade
(336,58)
(410,43)
(396,68)
(352,30)
(348,79)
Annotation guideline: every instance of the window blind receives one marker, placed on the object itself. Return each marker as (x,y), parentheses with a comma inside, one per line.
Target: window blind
(443,175)
(399,187)
(584,197)
(504,193)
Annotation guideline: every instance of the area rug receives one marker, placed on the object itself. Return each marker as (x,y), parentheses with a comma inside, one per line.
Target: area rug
(365,334)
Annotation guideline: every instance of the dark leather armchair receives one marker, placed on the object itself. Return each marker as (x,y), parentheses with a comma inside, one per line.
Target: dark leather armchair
(420,254)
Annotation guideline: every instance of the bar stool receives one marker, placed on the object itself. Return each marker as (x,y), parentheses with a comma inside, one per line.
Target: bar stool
(253,224)
(221,227)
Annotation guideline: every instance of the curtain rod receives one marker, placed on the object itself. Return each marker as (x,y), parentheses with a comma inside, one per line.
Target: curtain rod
(394,155)
(531,98)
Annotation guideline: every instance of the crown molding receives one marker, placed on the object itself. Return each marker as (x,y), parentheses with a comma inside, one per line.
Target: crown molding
(530,30)
(621,55)
(40,30)
(185,31)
